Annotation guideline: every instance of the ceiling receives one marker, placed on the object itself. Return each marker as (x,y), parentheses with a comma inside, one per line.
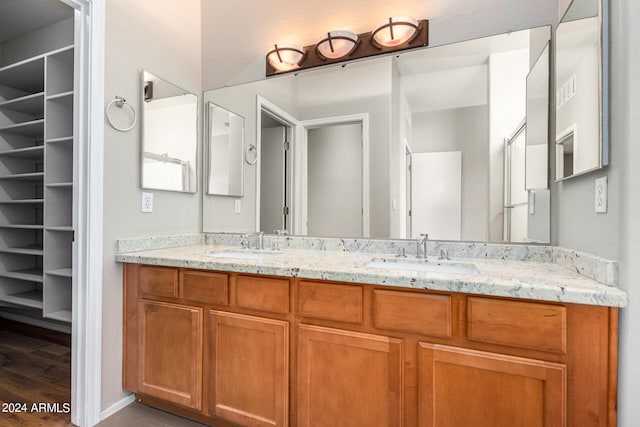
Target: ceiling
(18,17)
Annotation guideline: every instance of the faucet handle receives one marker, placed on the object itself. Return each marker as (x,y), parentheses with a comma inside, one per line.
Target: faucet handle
(281,232)
(425,236)
(244,241)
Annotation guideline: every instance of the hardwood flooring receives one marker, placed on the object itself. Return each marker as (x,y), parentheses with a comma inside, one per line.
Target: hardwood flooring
(35,376)
(140,415)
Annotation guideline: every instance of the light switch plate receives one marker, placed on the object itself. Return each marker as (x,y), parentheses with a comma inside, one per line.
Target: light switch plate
(147,202)
(601,195)
(532,202)
(238,206)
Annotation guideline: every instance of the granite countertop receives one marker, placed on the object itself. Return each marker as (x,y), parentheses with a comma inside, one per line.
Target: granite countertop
(528,279)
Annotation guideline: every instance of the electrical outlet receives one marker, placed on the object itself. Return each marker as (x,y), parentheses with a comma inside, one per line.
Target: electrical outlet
(238,206)
(601,195)
(147,202)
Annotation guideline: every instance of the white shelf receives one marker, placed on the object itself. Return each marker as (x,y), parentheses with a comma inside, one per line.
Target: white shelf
(36,182)
(34,152)
(31,128)
(32,176)
(60,185)
(68,94)
(63,228)
(31,298)
(22,202)
(24,250)
(29,274)
(29,104)
(62,315)
(60,140)
(61,272)
(23,226)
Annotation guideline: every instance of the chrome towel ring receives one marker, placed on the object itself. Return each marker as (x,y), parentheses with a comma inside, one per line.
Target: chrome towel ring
(251,155)
(120,102)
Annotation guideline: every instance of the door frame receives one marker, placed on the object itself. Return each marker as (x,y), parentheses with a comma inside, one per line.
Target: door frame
(301,202)
(292,124)
(86,326)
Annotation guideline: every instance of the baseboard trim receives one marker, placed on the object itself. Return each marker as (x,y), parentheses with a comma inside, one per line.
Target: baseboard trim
(36,322)
(119,405)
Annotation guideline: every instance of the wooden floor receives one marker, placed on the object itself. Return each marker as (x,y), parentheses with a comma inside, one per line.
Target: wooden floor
(35,368)
(140,415)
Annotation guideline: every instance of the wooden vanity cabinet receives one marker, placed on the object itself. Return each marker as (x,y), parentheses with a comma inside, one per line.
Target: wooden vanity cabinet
(233,349)
(193,347)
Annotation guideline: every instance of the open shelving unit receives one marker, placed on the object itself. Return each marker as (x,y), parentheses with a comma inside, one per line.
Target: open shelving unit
(36,183)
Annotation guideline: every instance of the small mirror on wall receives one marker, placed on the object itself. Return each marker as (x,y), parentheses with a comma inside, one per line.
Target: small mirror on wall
(537,130)
(581,89)
(225,135)
(169,136)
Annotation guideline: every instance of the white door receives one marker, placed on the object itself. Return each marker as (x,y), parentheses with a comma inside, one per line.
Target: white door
(436,194)
(272,179)
(334,191)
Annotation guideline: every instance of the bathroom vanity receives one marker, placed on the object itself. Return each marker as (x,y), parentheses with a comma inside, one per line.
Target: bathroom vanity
(307,337)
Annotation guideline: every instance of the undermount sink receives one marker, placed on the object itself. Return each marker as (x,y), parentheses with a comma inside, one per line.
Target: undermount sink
(244,254)
(436,266)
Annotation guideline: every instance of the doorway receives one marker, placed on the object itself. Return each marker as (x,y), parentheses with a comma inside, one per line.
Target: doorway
(334,176)
(275,173)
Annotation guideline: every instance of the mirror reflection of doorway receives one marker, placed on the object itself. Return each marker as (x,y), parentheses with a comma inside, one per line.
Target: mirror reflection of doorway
(335,180)
(515,194)
(275,174)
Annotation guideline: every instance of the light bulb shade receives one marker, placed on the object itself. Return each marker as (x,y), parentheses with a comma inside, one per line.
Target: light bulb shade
(337,44)
(286,57)
(395,31)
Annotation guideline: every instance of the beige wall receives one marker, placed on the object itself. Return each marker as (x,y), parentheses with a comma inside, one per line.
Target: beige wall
(165,40)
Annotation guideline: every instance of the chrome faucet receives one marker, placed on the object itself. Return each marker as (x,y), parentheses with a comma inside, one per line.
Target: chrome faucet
(422,246)
(259,236)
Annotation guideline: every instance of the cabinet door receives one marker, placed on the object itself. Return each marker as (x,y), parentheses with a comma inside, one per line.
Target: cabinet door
(170,360)
(467,388)
(348,379)
(248,375)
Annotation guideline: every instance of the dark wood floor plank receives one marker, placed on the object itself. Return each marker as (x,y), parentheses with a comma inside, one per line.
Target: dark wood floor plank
(35,367)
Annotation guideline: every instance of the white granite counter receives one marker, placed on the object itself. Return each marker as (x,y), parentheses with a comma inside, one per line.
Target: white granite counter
(552,279)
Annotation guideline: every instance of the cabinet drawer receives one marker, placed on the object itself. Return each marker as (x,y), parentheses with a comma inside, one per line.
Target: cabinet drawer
(330,301)
(411,312)
(263,293)
(519,324)
(204,287)
(158,282)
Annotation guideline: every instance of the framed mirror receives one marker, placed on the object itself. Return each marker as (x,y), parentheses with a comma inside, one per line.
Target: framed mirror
(169,136)
(581,89)
(225,138)
(537,129)
(355,143)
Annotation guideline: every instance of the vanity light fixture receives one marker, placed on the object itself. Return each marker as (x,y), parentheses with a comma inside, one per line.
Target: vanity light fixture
(286,57)
(395,34)
(395,31)
(337,44)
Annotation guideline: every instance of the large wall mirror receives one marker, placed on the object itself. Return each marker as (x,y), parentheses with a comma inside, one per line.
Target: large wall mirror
(537,131)
(581,89)
(392,147)
(225,151)
(169,136)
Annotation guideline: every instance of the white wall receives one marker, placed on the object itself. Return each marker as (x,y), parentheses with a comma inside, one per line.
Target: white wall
(507,108)
(465,130)
(164,39)
(219,211)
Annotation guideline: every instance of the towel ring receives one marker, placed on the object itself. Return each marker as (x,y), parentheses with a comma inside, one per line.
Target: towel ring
(251,155)
(120,102)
